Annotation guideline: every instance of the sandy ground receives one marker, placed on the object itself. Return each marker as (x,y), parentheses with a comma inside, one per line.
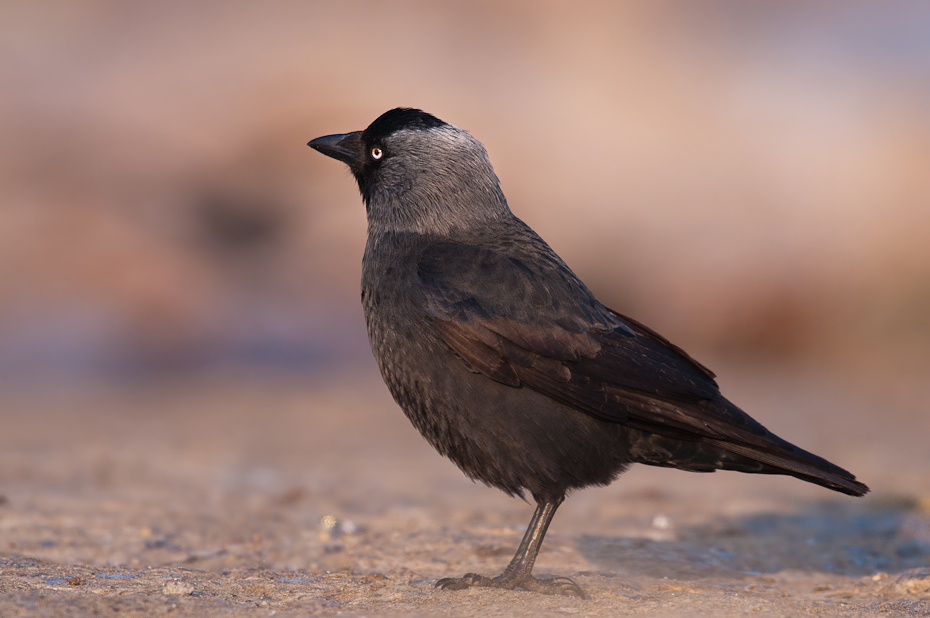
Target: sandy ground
(231,496)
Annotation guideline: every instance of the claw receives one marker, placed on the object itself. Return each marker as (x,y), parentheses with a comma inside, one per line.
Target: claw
(461,583)
(562,586)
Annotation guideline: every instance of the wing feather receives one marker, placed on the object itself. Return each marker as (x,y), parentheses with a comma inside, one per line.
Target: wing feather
(524,320)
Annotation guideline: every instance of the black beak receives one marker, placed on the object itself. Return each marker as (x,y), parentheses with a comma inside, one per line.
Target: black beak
(345,147)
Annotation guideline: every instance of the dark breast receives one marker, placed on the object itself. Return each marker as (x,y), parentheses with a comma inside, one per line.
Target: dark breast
(511,438)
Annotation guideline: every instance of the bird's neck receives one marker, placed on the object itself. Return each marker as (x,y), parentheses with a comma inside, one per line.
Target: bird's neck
(447,214)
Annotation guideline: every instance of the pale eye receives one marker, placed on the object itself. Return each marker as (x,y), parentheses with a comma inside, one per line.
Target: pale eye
(376,153)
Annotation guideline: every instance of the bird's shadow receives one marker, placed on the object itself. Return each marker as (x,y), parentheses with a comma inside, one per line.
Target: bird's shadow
(830,538)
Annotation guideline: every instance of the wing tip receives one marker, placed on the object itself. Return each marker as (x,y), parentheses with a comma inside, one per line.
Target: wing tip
(850,487)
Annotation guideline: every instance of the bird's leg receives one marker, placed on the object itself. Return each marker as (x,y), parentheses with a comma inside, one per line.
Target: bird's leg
(519,572)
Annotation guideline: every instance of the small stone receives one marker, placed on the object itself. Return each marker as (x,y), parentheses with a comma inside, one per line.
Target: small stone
(348,526)
(177,587)
(661,522)
(918,586)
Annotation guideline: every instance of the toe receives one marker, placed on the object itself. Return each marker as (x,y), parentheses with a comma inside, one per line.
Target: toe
(461,583)
(561,586)
(452,583)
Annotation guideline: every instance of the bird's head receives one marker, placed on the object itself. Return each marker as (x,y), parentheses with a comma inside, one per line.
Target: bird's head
(419,174)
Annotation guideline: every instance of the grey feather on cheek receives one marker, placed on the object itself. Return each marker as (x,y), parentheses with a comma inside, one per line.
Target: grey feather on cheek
(434,181)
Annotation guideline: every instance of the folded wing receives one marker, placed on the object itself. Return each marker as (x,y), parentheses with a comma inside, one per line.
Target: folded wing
(527,321)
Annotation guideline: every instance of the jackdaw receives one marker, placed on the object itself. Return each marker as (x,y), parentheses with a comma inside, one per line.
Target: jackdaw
(505,361)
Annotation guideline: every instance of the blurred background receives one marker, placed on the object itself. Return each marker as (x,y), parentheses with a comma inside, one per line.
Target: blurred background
(184,369)
(752,180)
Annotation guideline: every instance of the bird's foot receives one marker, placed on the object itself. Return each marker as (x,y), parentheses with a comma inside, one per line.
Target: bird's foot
(557,585)
(561,586)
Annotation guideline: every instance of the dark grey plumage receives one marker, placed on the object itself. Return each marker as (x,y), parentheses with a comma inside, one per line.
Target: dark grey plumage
(505,361)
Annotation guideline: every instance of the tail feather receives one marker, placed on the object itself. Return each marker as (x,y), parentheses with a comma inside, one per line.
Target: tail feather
(803,465)
(726,438)
(786,458)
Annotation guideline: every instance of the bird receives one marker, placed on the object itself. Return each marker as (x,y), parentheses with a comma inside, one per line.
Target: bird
(506,362)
